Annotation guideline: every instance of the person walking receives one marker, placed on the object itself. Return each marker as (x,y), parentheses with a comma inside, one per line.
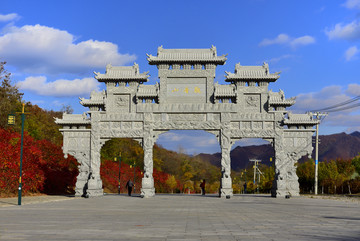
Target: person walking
(129,186)
(202,185)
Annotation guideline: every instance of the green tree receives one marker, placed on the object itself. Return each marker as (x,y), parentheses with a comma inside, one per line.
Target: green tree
(306,173)
(331,176)
(171,182)
(346,170)
(356,163)
(267,178)
(10,98)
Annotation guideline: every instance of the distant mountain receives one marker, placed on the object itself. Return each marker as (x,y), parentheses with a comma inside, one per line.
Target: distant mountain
(341,145)
(240,156)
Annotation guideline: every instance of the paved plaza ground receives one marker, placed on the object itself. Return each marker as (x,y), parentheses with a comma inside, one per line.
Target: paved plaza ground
(179,217)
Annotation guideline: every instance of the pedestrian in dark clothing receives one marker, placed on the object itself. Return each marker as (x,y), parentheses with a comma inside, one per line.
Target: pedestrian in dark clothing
(129,186)
(202,185)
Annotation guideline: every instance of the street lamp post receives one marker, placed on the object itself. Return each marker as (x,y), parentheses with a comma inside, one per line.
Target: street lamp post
(119,173)
(21,152)
(134,176)
(245,191)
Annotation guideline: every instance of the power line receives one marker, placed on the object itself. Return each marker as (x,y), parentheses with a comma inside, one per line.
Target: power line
(345,108)
(341,106)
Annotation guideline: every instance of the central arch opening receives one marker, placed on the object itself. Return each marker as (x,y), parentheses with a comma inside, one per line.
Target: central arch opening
(253,165)
(181,154)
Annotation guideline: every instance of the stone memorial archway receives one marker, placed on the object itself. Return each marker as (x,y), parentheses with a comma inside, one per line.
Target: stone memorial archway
(186,98)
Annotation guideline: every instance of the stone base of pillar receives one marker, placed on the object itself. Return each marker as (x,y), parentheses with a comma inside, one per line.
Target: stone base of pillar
(147,189)
(283,189)
(79,192)
(95,192)
(224,192)
(226,187)
(147,192)
(94,187)
(80,187)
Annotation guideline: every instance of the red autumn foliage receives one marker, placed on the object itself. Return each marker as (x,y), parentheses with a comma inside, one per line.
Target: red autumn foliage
(32,175)
(44,167)
(60,173)
(109,172)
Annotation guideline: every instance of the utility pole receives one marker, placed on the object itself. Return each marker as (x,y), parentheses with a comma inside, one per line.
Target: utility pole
(256,171)
(319,116)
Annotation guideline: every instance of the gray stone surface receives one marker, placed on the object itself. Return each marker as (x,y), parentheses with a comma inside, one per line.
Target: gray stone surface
(182,217)
(186,98)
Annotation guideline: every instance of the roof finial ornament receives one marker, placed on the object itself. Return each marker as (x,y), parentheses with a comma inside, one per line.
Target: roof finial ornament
(237,67)
(160,49)
(213,48)
(136,67)
(266,66)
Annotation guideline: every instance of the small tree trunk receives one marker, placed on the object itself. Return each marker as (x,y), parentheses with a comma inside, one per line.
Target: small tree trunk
(349,187)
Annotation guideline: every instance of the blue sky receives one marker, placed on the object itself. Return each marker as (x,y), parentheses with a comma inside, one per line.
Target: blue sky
(53,47)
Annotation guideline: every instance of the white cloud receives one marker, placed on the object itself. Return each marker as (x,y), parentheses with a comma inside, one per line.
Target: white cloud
(9,17)
(304,40)
(284,39)
(46,50)
(250,142)
(352,4)
(330,96)
(353,90)
(350,31)
(351,52)
(280,39)
(193,141)
(277,59)
(61,87)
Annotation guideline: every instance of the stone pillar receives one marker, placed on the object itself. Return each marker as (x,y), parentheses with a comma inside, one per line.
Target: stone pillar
(81,185)
(225,143)
(95,183)
(147,189)
(288,150)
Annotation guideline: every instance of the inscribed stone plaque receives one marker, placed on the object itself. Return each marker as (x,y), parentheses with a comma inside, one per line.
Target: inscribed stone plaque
(186,90)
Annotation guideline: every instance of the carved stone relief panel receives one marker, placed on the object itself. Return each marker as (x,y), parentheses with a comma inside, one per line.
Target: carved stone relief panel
(252,116)
(187,117)
(126,125)
(257,125)
(245,125)
(252,102)
(137,125)
(269,125)
(118,103)
(235,125)
(248,133)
